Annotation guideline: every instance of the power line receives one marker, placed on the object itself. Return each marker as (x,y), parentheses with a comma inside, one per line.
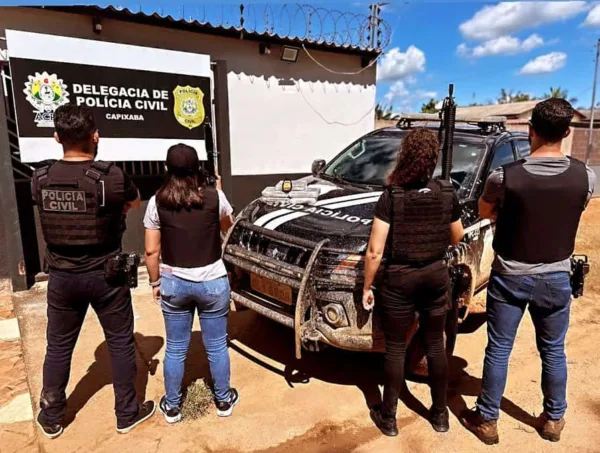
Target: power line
(340,72)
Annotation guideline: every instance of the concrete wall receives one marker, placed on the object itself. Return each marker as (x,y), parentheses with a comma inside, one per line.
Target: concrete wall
(580,143)
(282,115)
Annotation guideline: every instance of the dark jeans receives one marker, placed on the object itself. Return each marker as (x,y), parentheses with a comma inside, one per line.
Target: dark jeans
(69,296)
(549,300)
(406,291)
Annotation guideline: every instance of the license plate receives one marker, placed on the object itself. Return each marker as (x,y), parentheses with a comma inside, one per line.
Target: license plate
(282,293)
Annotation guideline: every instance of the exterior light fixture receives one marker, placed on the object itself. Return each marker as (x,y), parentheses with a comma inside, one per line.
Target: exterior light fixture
(264,48)
(289,54)
(97,25)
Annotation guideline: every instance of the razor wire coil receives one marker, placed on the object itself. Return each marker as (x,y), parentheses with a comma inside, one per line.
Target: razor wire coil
(314,24)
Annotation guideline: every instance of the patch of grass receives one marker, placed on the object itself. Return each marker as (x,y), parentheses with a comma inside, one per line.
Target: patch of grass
(198,401)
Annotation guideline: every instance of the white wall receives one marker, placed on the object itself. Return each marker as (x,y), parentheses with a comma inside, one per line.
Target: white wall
(274,129)
(282,129)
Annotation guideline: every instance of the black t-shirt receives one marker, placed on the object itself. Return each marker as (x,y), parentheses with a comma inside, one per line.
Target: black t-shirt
(383,211)
(118,190)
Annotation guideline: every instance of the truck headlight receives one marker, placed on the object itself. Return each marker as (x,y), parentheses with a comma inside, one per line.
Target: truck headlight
(335,315)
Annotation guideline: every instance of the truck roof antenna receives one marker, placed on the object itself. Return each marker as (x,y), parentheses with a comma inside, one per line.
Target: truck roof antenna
(447,124)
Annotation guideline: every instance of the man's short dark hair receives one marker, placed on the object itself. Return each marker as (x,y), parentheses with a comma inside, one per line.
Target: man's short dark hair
(551,119)
(74,124)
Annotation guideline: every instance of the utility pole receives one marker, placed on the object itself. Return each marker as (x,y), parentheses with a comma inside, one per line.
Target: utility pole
(374,20)
(591,133)
(373,24)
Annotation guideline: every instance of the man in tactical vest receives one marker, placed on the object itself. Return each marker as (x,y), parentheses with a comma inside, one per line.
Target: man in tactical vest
(538,203)
(82,205)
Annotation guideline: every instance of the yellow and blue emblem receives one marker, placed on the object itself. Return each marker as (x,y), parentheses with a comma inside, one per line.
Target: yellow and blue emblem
(286,186)
(189,106)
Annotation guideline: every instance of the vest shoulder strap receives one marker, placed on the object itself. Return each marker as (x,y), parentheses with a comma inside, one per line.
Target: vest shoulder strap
(41,173)
(42,170)
(394,190)
(510,166)
(97,170)
(445,186)
(577,162)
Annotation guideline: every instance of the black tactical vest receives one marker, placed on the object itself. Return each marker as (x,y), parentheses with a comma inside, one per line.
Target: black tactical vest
(191,237)
(73,210)
(540,215)
(420,228)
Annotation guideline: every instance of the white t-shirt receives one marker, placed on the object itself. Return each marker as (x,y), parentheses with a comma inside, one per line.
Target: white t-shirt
(194,274)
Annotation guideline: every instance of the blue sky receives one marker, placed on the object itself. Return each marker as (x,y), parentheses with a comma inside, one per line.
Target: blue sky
(481,47)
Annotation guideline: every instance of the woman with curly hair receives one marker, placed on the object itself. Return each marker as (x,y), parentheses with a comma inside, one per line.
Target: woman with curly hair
(416,219)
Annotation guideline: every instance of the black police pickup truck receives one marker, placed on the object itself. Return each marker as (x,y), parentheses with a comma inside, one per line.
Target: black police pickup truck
(297,256)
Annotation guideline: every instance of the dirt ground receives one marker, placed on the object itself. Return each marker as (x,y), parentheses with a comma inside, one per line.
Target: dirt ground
(319,404)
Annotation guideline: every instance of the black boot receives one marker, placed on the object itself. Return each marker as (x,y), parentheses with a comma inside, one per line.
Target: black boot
(440,420)
(386,425)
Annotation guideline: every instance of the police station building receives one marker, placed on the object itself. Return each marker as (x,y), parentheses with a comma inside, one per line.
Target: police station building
(260,106)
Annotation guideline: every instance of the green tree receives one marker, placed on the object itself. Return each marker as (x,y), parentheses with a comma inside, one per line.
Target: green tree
(385,112)
(512,96)
(522,97)
(429,107)
(505,96)
(559,93)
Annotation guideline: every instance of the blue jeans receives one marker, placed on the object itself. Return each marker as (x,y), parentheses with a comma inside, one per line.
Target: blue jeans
(549,299)
(179,300)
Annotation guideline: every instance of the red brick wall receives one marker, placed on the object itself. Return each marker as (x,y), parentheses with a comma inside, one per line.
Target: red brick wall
(580,142)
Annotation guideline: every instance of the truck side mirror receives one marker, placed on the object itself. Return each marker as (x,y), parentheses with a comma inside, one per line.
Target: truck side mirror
(317,166)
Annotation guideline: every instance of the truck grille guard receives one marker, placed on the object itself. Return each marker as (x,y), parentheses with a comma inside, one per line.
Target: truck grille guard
(299,275)
(300,266)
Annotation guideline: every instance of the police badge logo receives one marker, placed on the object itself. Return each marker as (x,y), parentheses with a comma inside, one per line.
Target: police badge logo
(189,106)
(45,93)
(286,186)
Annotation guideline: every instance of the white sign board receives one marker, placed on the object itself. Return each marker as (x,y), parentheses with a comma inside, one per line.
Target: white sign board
(143,99)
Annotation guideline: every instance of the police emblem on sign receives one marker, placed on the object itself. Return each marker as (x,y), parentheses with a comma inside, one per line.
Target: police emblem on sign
(58,200)
(45,93)
(189,106)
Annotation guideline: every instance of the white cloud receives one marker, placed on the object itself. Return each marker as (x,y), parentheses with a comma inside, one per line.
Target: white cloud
(545,64)
(492,22)
(422,94)
(504,45)
(404,99)
(396,65)
(397,90)
(593,18)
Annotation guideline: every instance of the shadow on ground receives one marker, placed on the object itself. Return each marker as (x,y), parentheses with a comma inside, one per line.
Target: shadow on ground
(252,333)
(99,373)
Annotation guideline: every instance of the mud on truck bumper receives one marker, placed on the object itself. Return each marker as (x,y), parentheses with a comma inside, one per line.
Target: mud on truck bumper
(305,285)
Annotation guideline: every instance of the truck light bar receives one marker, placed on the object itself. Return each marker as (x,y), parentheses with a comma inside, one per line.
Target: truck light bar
(480,124)
(409,117)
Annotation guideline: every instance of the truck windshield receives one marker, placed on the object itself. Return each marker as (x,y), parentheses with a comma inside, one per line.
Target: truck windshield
(369,161)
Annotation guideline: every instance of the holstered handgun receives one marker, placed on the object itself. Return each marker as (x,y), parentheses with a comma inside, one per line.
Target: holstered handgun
(579,269)
(122,270)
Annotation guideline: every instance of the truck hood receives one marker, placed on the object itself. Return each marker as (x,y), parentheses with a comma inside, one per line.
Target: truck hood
(317,209)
